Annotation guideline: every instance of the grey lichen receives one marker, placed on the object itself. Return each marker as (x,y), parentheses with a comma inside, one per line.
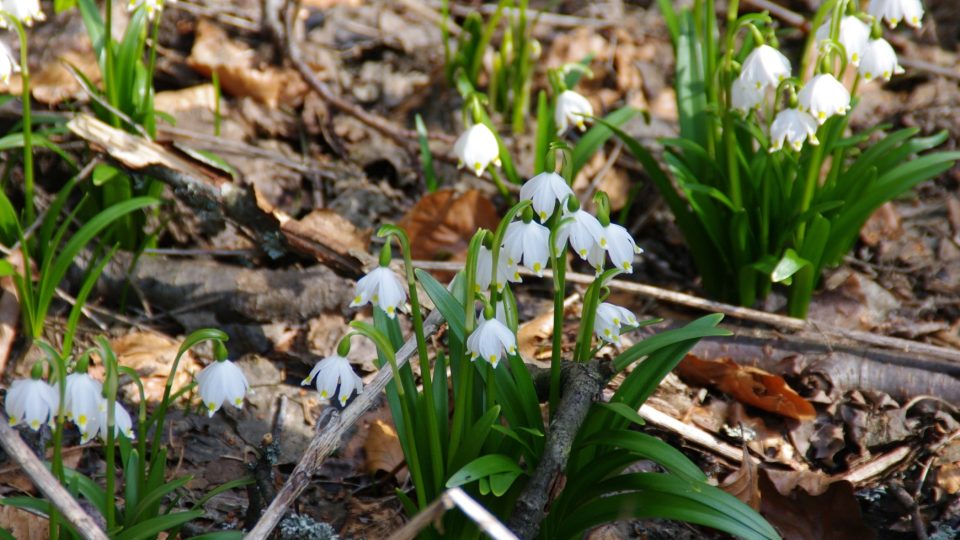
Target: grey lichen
(300,527)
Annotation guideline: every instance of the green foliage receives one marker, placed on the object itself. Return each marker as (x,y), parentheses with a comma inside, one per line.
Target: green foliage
(752,218)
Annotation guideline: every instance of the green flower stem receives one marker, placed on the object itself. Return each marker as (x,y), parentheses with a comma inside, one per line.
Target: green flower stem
(141,427)
(151,67)
(108,76)
(58,366)
(435,448)
(556,354)
(498,181)
(28,175)
(110,392)
(733,168)
(809,188)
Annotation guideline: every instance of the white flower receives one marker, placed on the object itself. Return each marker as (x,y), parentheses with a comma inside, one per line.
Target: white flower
(122,424)
(32,401)
(610,319)
(8,63)
(794,126)
(489,340)
(853,35)
(382,287)
(222,382)
(744,96)
(545,190)
(505,272)
(528,243)
(82,403)
(584,232)
(620,246)
(330,372)
(152,6)
(894,11)
(823,96)
(879,60)
(572,108)
(26,11)
(765,66)
(477,148)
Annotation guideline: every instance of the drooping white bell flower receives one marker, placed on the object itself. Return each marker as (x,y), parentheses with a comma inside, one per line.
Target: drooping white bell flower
(894,11)
(794,126)
(853,35)
(33,402)
(152,6)
(744,96)
(572,109)
(584,232)
(489,340)
(122,423)
(333,371)
(82,403)
(382,287)
(505,272)
(879,60)
(8,63)
(610,320)
(545,190)
(527,244)
(824,96)
(477,148)
(621,247)
(25,11)
(222,382)
(765,66)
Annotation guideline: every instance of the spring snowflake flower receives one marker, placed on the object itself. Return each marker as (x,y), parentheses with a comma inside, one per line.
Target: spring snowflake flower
(489,340)
(82,403)
(572,108)
(879,60)
(854,35)
(382,287)
(744,96)
(152,6)
(477,148)
(894,11)
(25,11)
(584,232)
(610,320)
(620,246)
(528,243)
(794,126)
(765,66)
(122,423)
(8,63)
(505,272)
(222,382)
(33,402)
(824,96)
(545,190)
(332,371)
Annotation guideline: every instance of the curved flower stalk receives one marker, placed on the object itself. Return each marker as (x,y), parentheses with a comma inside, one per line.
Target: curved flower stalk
(32,402)
(572,109)
(383,288)
(477,148)
(335,379)
(222,382)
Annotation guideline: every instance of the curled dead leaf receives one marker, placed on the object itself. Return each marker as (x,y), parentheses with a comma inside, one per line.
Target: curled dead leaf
(744,482)
(748,385)
(151,355)
(383,450)
(441,224)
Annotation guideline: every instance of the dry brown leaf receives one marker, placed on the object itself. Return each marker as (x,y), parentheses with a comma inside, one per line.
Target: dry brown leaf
(327,229)
(441,224)
(23,525)
(948,477)
(201,96)
(884,224)
(748,385)
(833,514)
(151,355)
(744,482)
(9,309)
(13,475)
(383,450)
(214,51)
(532,336)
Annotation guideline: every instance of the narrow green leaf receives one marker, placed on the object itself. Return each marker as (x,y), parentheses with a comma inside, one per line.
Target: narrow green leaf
(154,526)
(426,156)
(449,307)
(623,410)
(482,467)
(789,264)
(597,135)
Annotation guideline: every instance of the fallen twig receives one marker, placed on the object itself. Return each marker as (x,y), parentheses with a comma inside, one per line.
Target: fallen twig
(486,521)
(69,509)
(327,439)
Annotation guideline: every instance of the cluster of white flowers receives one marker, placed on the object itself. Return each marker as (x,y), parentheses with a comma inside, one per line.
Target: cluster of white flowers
(25,11)
(823,95)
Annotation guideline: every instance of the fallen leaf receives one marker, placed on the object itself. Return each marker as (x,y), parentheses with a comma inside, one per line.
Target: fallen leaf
(214,51)
(833,514)
(9,309)
(23,525)
(442,223)
(328,235)
(201,96)
(948,477)
(743,483)
(532,337)
(748,385)
(151,355)
(884,224)
(383,450)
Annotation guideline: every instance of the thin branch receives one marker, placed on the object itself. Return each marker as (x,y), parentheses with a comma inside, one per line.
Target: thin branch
(69,509)
(487,522)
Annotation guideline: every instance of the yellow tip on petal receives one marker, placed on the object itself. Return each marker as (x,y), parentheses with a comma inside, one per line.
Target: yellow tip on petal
(82,421)
(357,299)
(12,420)
(238,402)
(211,406)
(323,394)
(537,267)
